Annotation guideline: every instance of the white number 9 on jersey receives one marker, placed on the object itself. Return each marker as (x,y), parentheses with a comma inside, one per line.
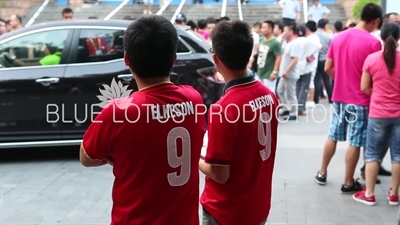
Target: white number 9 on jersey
(264,135)
(175,161)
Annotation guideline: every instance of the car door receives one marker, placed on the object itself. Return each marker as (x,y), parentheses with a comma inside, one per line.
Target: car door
(96,61)
(30,92)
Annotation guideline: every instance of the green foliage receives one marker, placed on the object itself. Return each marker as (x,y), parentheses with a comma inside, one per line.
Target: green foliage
(359,6)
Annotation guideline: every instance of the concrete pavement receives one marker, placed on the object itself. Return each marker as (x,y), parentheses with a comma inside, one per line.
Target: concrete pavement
(63,192)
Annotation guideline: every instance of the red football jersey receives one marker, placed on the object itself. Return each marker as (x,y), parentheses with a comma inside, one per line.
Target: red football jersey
(155,144)
(242,133)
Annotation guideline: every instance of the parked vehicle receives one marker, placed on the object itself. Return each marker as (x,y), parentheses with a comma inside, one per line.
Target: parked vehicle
(50,76)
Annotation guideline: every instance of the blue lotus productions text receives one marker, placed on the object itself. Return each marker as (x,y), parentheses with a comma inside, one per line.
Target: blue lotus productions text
(177,112)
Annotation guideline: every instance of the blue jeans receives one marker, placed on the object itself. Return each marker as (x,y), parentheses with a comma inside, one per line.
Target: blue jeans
(378,131)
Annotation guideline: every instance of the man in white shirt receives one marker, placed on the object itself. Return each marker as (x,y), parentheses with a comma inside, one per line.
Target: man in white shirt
(310,46)
(318,11)
(289,73)
(290,11)
(255,33)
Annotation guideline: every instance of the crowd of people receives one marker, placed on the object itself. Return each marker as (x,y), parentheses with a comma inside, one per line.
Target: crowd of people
(293,63)
(365,65)
(298,61)
(365,96)
(274,43)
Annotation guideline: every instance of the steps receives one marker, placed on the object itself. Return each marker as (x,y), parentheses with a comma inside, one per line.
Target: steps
(251,12)
(169,11)
(53,12)
(259,13)
(133,11)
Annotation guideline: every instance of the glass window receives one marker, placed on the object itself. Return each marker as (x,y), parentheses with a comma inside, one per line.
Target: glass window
(99,45)
(182,48)
(42,48)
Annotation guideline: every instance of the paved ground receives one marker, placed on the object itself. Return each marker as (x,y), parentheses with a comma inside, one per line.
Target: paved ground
(61,191)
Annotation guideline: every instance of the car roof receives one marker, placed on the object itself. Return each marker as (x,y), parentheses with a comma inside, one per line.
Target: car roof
(88,22)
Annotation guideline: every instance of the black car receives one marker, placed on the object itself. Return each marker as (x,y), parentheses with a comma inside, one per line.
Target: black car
(51,76)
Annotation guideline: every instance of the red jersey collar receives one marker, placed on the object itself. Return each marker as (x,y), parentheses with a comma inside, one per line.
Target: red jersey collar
(155,85)
(238,82)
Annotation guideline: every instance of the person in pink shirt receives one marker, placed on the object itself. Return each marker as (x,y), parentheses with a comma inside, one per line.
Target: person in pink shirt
(345,59)
(202,29)
(381,81)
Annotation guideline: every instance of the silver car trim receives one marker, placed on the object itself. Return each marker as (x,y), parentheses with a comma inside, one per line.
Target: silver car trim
(39,144)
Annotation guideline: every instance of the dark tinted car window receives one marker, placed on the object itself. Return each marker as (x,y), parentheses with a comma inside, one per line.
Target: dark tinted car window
(99,45)
(182,48)
(195,45)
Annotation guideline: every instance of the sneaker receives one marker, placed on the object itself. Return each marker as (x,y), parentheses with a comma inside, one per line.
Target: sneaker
(310,104)
(393,199)
(353,188)
(362,198)
(284,113)
(320,178)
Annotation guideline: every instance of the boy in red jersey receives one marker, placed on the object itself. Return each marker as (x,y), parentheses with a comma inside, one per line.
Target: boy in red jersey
(242,136)
(155,142)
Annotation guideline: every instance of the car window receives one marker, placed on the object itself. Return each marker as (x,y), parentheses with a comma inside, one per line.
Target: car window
(41,48)
(182,48)
(198,37)
(100,45)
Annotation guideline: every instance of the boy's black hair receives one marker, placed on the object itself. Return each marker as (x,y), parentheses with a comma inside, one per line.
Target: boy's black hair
(280,24)
(66,10)
(202,24)
(270,23)
(338,25)
(150,44)
(292,26)
(371,12)
(233,43)
(311,25)
(211,20)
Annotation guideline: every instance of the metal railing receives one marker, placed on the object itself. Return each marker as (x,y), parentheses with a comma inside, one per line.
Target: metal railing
(177,11)
(163,8)
(119,7)
(223,9)
(305,10)
(239,4)
(37,13)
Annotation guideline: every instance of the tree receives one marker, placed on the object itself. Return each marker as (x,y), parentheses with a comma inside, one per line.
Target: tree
(360,5)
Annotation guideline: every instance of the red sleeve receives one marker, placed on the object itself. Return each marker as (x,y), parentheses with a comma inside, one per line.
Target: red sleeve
(97,138)
(221,135)
(90,47)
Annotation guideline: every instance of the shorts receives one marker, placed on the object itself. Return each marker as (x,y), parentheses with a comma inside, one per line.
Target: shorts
(352,118)
(380,131)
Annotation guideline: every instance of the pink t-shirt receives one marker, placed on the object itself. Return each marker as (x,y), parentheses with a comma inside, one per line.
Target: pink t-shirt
(348,50)
(385,98)
(204,34)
